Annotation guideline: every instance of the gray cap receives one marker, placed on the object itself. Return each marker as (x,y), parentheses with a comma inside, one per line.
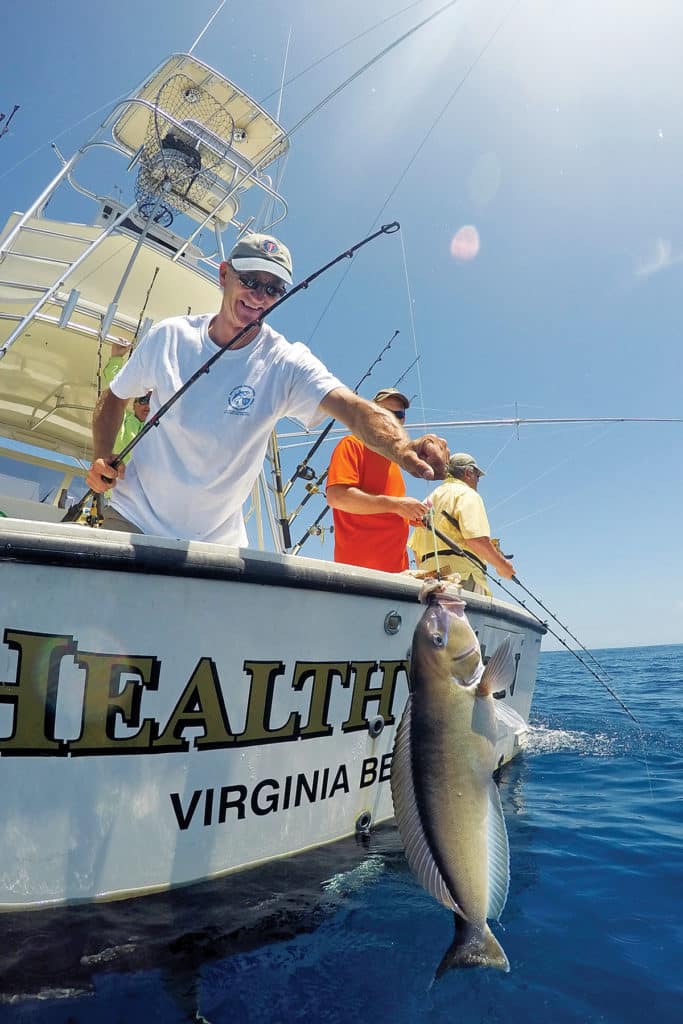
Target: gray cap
(265,253)
(461,460)
(392,393)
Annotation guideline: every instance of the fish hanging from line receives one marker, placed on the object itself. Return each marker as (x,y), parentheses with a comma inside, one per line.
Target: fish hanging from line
(446,802)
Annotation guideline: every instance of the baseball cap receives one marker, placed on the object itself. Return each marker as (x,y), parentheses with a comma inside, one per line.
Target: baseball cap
(392,393)
(461,460)
(262,252)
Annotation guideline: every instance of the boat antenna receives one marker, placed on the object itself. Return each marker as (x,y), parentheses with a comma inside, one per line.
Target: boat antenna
(208,24)
(153,421)
(428,523)
(7,119)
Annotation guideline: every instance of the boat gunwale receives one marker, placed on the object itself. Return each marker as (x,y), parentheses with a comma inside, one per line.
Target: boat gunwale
(79,547)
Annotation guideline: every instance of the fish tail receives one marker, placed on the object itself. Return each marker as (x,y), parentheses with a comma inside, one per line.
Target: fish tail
(472,947)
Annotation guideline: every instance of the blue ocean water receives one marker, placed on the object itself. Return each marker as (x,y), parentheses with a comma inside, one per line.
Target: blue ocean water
(592,928)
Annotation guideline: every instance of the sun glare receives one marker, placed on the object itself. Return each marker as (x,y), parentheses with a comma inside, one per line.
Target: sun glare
(465,243)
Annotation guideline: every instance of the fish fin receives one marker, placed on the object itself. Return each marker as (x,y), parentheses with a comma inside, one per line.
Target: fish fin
(499,670)
(509,717)
(472,948)
(498,855)
(415,842)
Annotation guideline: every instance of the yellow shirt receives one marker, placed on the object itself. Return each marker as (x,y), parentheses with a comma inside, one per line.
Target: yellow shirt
(466,506)
(131,425)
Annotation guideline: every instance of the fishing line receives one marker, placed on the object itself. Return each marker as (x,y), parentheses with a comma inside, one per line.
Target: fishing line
(569,458)
(314,488)
(413,332)
(552,615)
(419,148)
(301,470)
(492,462)
(530,515)
(278,141)
(153,421)
(338,49)
(462,553)
(313,528)
(538,601)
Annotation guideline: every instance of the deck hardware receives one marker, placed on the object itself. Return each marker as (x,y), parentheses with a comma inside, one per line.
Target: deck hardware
(375,726)
(363,823)
(392,622)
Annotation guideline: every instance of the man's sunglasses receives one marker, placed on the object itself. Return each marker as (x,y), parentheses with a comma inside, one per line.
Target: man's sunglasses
(399,413)
(143,400)
(273,291)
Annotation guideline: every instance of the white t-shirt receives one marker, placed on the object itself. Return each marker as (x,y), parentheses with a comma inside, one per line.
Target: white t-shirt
(189,476)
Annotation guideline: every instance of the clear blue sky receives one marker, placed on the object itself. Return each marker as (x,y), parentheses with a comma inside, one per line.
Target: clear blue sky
(562,148)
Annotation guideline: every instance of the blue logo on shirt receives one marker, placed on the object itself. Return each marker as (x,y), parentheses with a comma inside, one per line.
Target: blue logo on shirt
(240,399)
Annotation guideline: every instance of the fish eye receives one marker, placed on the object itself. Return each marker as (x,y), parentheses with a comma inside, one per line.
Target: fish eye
(437,640)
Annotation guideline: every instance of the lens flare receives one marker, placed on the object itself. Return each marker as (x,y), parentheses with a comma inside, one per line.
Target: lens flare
(465,243)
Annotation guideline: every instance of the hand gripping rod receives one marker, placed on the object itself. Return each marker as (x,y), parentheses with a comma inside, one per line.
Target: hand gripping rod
(153,421)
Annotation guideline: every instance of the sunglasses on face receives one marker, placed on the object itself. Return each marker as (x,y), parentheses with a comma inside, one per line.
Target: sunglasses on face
(398,413)
(273,291)
(143,400)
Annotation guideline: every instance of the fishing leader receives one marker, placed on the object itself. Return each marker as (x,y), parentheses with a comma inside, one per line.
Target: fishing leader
(190,476)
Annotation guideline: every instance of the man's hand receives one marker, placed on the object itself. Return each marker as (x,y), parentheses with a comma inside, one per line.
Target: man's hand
(120,348)
(102,476)
(411,509)
(426,457)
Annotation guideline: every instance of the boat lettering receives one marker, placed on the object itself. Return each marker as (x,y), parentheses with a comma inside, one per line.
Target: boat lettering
(220,804)
(115,697)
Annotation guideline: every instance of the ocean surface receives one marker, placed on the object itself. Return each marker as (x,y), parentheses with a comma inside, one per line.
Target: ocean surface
(593,926)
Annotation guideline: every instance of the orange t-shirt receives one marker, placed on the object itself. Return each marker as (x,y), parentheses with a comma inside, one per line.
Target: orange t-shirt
(375,541)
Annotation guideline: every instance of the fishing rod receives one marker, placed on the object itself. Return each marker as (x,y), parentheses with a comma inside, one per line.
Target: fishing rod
(515,421)
(313,530)
(7,119)
(302,471)
(560,623)
(306,473)
(516,579)
(461,552)
(153,421)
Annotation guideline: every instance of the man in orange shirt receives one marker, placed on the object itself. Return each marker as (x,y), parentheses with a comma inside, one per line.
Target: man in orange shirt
(367,495)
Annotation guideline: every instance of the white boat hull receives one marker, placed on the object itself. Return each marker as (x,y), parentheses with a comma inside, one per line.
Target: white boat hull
(171,712)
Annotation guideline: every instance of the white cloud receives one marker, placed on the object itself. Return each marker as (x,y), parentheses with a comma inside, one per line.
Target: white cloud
(662,258)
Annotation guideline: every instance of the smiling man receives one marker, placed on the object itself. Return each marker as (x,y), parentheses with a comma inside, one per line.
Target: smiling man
(190,477)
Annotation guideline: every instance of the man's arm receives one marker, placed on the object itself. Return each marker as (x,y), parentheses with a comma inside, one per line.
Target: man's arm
(425,457)
(488,552)
(348,498)
(106,422)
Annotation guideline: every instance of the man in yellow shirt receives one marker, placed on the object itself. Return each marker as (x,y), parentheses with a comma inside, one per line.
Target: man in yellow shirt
(457,496)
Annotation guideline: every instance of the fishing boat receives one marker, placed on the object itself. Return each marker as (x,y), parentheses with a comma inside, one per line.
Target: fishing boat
(174,711)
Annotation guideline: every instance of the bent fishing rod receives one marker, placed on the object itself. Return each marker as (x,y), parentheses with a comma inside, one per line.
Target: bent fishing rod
(461,552)
(153,421)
